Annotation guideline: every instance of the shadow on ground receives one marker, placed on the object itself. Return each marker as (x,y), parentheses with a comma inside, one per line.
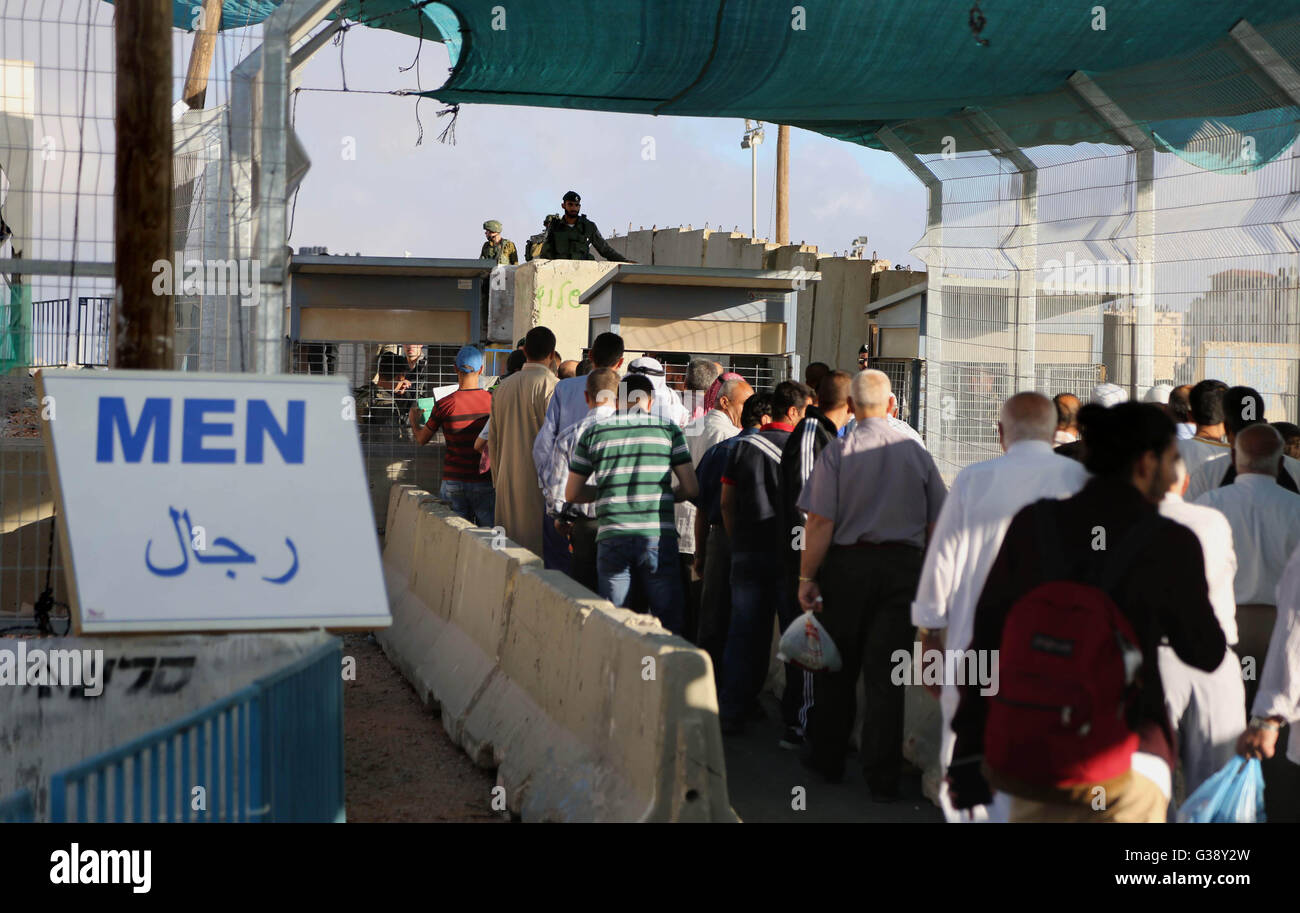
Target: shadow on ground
(762,777)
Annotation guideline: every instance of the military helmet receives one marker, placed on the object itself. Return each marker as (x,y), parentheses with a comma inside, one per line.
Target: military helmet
(572,195)
(491,225)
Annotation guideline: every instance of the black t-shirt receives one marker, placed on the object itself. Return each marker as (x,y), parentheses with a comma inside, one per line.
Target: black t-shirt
(754,469)
(798,457)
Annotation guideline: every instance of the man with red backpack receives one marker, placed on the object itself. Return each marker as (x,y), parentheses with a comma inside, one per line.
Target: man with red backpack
(1079,599)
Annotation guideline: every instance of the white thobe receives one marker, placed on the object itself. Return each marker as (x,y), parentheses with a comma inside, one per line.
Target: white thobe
(1210,474)
(1279,682)
(1206,709)
(1265,521)
(967,536)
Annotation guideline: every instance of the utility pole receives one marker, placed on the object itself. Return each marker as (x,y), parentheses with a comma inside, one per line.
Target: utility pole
(205,41)
(782,184)
(751,140)
(142,194)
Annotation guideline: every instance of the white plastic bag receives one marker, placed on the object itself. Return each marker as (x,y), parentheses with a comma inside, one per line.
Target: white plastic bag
(806,643)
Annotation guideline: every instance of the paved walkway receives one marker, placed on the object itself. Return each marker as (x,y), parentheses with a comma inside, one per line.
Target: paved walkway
(762,776)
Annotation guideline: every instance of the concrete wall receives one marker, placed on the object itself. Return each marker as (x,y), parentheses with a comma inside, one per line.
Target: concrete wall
(149,681)
(546,294)
(832,324)
(588,712)
(682,247)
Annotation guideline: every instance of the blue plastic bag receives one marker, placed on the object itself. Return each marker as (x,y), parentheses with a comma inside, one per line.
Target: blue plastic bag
(1234,795)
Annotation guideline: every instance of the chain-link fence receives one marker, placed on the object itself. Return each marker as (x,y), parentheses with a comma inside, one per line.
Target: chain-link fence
(1152,253)
(235,164)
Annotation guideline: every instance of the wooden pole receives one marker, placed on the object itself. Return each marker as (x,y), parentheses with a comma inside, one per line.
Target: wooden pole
(142,196)
(205,41)
(782,184)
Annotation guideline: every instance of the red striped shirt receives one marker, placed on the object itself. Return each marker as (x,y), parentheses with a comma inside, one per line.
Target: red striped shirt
(461,416)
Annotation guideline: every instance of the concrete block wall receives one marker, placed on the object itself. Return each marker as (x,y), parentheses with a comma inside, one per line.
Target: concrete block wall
(546,294)
(681,247)
(588,712)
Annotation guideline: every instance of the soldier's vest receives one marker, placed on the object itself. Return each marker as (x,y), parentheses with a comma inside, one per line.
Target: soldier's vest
(572,241)
(499,252)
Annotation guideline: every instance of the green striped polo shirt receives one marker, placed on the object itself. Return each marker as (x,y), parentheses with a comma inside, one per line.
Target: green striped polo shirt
(629,458)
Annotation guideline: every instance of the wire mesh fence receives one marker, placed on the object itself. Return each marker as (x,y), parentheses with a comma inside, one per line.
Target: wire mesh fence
(1147,253)
(234,165)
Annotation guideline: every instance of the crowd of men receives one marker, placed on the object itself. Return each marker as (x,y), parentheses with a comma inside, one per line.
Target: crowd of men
(1132,568)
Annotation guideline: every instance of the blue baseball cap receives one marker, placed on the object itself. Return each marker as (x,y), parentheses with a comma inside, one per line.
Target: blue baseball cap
(469,359)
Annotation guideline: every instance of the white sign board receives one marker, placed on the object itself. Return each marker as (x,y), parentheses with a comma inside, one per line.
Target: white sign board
(205,502)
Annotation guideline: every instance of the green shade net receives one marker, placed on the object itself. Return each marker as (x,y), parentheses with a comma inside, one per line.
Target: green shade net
(848,69)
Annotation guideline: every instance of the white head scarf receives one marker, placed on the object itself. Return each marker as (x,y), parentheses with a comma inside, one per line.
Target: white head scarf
(667,404)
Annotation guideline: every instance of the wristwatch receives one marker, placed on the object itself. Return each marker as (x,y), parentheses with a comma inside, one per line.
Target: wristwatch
(1263,722)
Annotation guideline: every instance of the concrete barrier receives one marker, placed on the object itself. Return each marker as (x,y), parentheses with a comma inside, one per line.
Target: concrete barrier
(588,712)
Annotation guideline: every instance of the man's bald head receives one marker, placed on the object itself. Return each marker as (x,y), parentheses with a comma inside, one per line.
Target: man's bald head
(1259,450)
(1027,416)
(732,396)
(871,393)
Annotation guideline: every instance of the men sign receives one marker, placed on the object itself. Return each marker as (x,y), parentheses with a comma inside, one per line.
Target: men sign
(204,502)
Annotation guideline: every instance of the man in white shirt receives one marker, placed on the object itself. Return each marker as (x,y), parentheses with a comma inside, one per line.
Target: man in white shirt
(1206,404)
(968,533)
(1242,407)
(1278,701)
(714,426)
(1206,709)
(722,421)
(1265,520)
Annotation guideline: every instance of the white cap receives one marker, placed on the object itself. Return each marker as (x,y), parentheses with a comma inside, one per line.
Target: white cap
(1158,394)
(1108,395)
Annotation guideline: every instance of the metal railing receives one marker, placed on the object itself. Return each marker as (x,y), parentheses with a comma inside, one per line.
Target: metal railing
(57,340)
(50,325)
(92,330)
(270,752)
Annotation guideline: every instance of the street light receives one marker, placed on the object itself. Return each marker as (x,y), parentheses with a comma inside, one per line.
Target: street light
(751,140)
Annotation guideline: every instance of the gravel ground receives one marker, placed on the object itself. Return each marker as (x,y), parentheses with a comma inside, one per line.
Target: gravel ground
(399,764)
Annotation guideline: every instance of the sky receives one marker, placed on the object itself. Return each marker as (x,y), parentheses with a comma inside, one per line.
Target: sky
(372,190)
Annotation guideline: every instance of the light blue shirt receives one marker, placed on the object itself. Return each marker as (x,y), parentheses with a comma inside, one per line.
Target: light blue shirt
(567,407)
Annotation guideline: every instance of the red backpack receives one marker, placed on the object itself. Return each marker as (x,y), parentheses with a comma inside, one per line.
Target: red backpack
(1068,668)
